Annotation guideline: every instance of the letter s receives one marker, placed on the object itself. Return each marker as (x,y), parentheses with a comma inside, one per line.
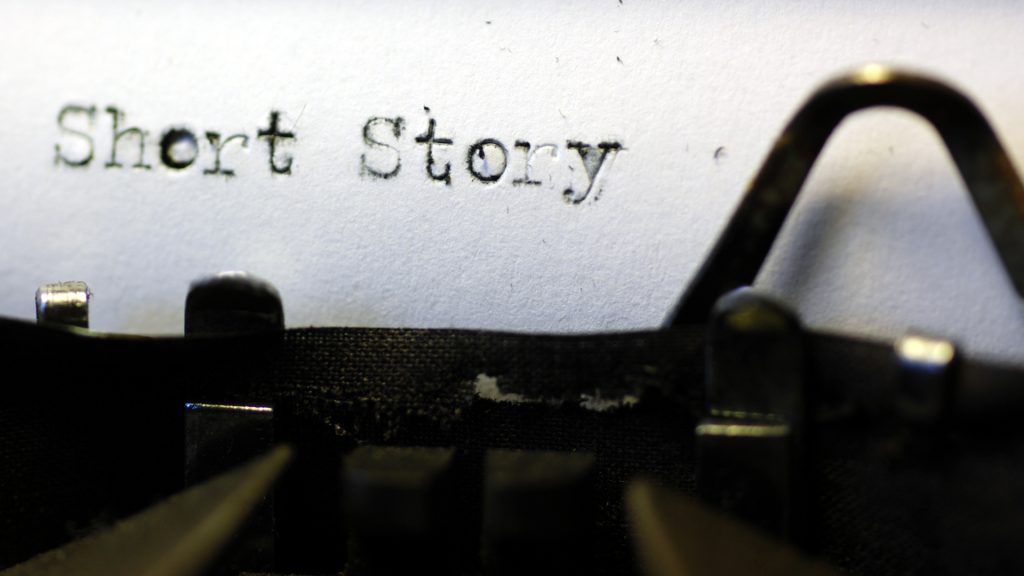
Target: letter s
(371,142)
(84,160)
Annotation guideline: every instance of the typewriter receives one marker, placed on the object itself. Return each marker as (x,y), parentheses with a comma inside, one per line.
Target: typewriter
(734,440)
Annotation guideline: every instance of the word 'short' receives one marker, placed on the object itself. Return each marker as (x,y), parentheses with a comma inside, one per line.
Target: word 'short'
(487,160)
(177,149)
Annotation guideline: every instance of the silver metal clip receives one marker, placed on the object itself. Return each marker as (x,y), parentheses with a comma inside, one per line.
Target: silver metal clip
(63,303)
(927,367)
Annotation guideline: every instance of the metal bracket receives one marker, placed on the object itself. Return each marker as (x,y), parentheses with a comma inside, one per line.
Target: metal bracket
(983,163)
(749,447)
(399,505)
(232,302)
(537,513)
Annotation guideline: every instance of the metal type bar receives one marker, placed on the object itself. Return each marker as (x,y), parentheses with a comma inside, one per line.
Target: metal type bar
(181,536)
(676,535)
(986,169)
(218,438)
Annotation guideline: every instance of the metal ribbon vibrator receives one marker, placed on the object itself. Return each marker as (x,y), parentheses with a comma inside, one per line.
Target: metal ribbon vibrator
(732,441)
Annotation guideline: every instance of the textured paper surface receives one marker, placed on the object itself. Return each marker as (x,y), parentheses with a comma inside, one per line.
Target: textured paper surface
(883,239)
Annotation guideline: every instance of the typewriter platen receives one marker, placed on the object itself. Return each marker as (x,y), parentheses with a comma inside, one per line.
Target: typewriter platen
(734,440)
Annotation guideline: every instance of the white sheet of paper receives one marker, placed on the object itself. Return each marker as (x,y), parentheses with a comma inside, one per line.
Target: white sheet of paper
(883,239)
